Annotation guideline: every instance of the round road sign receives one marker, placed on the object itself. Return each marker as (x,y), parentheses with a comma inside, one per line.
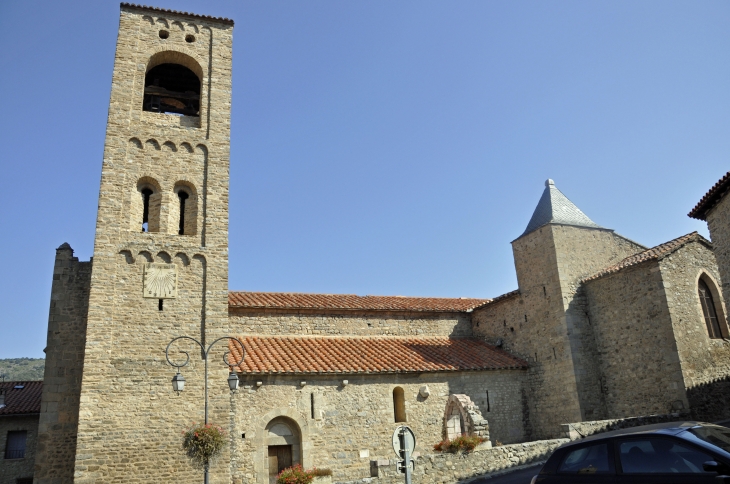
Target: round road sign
(403,438)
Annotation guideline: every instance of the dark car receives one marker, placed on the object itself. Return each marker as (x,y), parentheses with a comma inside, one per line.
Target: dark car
(676,452)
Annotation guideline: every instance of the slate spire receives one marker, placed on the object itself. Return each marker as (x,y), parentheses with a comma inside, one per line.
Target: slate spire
(555,208)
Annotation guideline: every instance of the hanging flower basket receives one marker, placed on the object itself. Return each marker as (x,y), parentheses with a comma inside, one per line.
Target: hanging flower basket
(203,443)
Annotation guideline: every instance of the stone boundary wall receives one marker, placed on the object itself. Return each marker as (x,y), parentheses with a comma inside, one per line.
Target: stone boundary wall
(445,467)
(579,430)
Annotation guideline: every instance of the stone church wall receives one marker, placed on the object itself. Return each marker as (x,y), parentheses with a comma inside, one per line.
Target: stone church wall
(581,253)
(705,361)
(717,222)
(631,322)
(357,323)
(546,322)
(540,336)
(58,422)
(345,427)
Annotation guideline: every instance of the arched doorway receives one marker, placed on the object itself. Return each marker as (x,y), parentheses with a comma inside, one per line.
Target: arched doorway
(462,417)
(454,423)
(284,446)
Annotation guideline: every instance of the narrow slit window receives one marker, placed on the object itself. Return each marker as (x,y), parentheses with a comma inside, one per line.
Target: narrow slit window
(183,196)
(399,404)
(146,194)
(159,305)
(488,408)
(708,310)
(311,402)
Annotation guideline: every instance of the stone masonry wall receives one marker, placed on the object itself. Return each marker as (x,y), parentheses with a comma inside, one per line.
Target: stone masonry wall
(580,430)
(12,469)
(546,322)
(503,321)
(130,420)
(359,323)
(345,427)
(580,253)
(540,335)
(705,361)
(57,425)
(636,349)
(439,468)
(719,226)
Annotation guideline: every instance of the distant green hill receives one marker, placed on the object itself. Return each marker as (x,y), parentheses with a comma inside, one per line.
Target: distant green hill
(22,369)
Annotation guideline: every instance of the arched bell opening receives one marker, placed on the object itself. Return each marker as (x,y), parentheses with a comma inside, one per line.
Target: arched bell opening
(172,89)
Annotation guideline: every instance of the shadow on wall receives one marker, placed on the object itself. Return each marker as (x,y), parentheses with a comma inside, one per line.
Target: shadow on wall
(710,401)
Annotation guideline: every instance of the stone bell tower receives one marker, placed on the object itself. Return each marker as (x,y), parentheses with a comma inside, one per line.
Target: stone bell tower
(160,266)
(559,247)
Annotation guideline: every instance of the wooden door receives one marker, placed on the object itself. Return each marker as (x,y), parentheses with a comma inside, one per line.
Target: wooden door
(280,457)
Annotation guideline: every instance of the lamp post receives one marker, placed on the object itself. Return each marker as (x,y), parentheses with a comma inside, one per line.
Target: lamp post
(178,381)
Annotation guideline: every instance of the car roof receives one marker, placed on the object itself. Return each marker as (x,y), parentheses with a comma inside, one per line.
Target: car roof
(666,428)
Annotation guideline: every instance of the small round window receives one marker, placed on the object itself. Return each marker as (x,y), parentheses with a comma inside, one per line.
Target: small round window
(164,34)
(189,38)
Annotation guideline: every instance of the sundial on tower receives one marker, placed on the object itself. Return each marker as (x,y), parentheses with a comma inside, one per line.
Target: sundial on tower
(160,280)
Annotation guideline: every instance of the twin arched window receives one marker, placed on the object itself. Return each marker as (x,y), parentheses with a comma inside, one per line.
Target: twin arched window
(147,208)
(715,325)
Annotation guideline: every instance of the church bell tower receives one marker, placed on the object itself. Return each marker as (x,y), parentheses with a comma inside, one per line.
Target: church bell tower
(160,266)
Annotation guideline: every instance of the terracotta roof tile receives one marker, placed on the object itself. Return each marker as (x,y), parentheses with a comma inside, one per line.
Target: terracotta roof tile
(18,401)
(297,354)
(288,300)
(711,198)
(655,253)
(186,14)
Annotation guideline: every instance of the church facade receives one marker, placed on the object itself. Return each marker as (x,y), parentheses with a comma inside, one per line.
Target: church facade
(599,327)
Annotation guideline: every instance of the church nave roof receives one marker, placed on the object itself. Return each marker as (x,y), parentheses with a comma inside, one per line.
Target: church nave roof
(352,355)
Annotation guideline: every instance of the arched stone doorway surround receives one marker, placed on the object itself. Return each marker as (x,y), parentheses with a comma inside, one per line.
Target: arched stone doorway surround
(279,427)
(462,417)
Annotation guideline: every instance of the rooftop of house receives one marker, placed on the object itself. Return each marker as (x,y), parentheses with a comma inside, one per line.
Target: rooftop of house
(714,195)
(20,397)
(368,355)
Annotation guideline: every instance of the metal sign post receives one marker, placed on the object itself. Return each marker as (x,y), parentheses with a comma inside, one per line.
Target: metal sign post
(404,443)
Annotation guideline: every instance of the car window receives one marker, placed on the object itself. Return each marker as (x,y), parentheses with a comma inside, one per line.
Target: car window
(714,434)
(660,455)
(591,459)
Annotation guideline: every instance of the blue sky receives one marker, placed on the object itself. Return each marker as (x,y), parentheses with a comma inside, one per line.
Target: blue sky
(381,147)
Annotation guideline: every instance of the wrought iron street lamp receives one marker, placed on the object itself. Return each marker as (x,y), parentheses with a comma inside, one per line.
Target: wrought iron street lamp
(178,381)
